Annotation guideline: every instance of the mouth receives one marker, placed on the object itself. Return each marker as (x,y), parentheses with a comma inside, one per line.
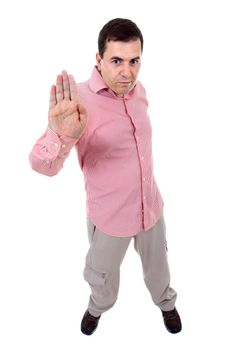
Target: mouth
(124,83)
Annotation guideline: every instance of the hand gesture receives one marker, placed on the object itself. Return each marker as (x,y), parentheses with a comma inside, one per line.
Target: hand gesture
(66,116)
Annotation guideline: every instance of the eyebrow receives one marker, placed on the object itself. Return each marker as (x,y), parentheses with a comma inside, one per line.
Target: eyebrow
(121,59)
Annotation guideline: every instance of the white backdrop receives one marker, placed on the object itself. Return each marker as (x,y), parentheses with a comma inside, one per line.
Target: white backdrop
(187,71)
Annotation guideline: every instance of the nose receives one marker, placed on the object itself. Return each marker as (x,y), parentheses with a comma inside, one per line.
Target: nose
(125,71)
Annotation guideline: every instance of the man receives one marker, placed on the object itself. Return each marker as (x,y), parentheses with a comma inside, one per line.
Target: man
(106,120)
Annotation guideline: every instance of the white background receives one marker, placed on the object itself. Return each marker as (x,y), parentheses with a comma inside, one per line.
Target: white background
(187,71)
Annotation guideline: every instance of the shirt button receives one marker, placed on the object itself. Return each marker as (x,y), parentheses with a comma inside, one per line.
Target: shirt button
(144,197)
(142,157)
(144,179)
(55,145)
(63,146)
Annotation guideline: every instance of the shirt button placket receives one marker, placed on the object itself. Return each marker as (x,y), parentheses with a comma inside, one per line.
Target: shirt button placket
(143,190)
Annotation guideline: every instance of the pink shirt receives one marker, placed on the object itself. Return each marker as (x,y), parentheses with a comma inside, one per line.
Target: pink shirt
(115,155)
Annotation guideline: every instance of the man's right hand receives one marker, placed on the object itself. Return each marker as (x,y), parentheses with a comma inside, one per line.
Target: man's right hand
(66,116)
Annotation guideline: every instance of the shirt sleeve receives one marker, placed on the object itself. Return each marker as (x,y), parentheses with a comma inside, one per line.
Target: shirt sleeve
(49,152)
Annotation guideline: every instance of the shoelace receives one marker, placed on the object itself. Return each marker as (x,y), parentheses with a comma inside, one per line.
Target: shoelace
(170,314)
(92,317)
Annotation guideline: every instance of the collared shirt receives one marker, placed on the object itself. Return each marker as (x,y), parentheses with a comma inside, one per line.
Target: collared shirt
(115,155)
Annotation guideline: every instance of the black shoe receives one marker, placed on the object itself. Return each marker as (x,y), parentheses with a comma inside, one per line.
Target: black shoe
(89,323)
(172,321)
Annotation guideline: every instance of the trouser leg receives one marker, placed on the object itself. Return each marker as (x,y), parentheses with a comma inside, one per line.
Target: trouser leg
(102,269)
(152,248)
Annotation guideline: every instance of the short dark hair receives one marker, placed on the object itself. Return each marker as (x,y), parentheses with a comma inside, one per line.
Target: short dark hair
(118,29)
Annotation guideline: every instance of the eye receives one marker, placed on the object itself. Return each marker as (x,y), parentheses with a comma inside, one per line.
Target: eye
(135,61)
(116,61)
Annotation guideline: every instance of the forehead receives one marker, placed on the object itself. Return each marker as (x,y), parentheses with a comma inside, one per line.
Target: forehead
(125,50)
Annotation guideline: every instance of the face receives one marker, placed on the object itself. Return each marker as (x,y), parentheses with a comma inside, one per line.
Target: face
(120,65)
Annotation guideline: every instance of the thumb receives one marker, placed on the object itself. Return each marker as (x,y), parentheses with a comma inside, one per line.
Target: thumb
(82,111)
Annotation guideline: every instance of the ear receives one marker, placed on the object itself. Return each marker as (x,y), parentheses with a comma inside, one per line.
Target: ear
(98,61)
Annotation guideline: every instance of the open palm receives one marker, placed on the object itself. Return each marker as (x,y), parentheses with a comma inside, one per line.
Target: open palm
(66,116)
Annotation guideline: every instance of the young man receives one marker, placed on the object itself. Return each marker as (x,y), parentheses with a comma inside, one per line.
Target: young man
(106,120)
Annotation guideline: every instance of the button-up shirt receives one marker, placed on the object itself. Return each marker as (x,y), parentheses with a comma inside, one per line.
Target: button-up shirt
(115,155)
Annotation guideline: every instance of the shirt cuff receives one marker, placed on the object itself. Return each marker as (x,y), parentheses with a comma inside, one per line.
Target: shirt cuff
(59,145)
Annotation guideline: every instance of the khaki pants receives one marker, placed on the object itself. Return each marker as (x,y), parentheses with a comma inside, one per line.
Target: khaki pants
(105,255)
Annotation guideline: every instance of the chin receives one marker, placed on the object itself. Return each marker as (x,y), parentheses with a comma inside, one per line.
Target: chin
(124,91)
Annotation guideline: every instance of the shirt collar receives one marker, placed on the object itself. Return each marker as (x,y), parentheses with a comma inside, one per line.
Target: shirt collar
(97,85)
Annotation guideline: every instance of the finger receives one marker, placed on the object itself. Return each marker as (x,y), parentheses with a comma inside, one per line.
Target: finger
(66,85)
(59,88)
(73,88)
(82,111)
(52,98)
(82,115)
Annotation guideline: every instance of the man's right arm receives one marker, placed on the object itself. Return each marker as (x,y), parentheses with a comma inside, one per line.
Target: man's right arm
(49,152)
(67,121)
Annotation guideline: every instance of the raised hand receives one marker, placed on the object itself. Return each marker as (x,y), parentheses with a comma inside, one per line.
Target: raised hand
(66,116)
